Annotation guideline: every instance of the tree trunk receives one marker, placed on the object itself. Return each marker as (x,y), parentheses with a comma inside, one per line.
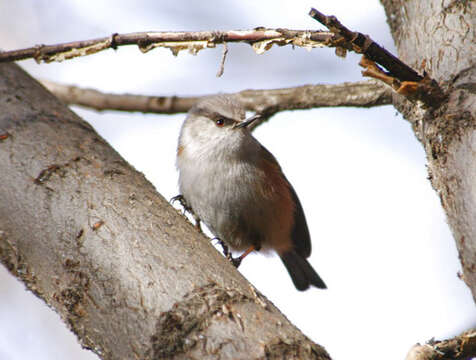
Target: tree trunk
(439,36)
(90,236)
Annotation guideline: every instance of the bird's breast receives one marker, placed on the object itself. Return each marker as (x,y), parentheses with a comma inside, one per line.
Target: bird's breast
(242,202)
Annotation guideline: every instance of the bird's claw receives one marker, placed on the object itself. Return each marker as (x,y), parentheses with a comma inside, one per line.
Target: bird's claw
(227,253)
(187,208)
(225,249)
(235,261)
(181,200)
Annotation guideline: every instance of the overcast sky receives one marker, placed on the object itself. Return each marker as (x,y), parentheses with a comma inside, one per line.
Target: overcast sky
(380,238)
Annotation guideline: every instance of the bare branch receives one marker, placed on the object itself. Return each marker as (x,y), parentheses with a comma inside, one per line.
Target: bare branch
(365,45)
(94,99)
(268,102)
(460,347)
(261,39)
(402,77)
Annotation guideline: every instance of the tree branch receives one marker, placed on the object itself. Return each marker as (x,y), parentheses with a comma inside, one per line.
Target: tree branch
(261,39)
(130,275)
(448,134)
(458,348)
(363,44)
(400,76)
(268,102)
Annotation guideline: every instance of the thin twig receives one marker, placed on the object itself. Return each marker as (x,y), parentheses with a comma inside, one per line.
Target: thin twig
(267,102)
(261,39)
(221,69)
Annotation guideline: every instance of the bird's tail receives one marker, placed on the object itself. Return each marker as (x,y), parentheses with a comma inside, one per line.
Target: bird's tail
(301,272)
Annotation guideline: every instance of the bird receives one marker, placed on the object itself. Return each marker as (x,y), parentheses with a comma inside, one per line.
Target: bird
(234,185)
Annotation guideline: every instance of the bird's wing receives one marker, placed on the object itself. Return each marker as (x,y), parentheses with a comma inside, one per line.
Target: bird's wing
(299,232)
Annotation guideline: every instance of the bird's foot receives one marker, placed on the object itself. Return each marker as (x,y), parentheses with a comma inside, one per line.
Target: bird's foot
(225,249)
(187,208)
(182,202)
(236,261)
(227,253)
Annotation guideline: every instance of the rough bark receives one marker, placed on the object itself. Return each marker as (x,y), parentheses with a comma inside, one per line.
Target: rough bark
(90,236)
(439,36)
(460,347)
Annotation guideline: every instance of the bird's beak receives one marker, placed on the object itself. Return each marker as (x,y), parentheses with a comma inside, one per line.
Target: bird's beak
(247,121)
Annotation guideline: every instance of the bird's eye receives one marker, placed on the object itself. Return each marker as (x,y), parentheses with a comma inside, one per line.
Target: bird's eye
(220,122)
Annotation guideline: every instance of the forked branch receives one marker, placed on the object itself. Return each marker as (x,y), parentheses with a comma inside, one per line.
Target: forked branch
(403,79)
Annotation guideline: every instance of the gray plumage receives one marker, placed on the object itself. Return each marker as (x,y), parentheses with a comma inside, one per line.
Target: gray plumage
(236,187)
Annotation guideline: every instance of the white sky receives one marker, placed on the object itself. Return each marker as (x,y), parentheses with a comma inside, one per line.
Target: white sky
(380,238)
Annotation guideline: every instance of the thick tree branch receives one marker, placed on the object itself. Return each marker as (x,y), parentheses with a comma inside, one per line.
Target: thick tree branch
(358,94)
(458,348)
(89,235)
(261,40)
(442,37)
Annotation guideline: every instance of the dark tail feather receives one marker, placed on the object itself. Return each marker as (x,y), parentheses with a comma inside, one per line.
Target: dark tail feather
(302,273)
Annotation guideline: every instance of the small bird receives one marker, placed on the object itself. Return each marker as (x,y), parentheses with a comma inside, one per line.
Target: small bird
(233,184)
